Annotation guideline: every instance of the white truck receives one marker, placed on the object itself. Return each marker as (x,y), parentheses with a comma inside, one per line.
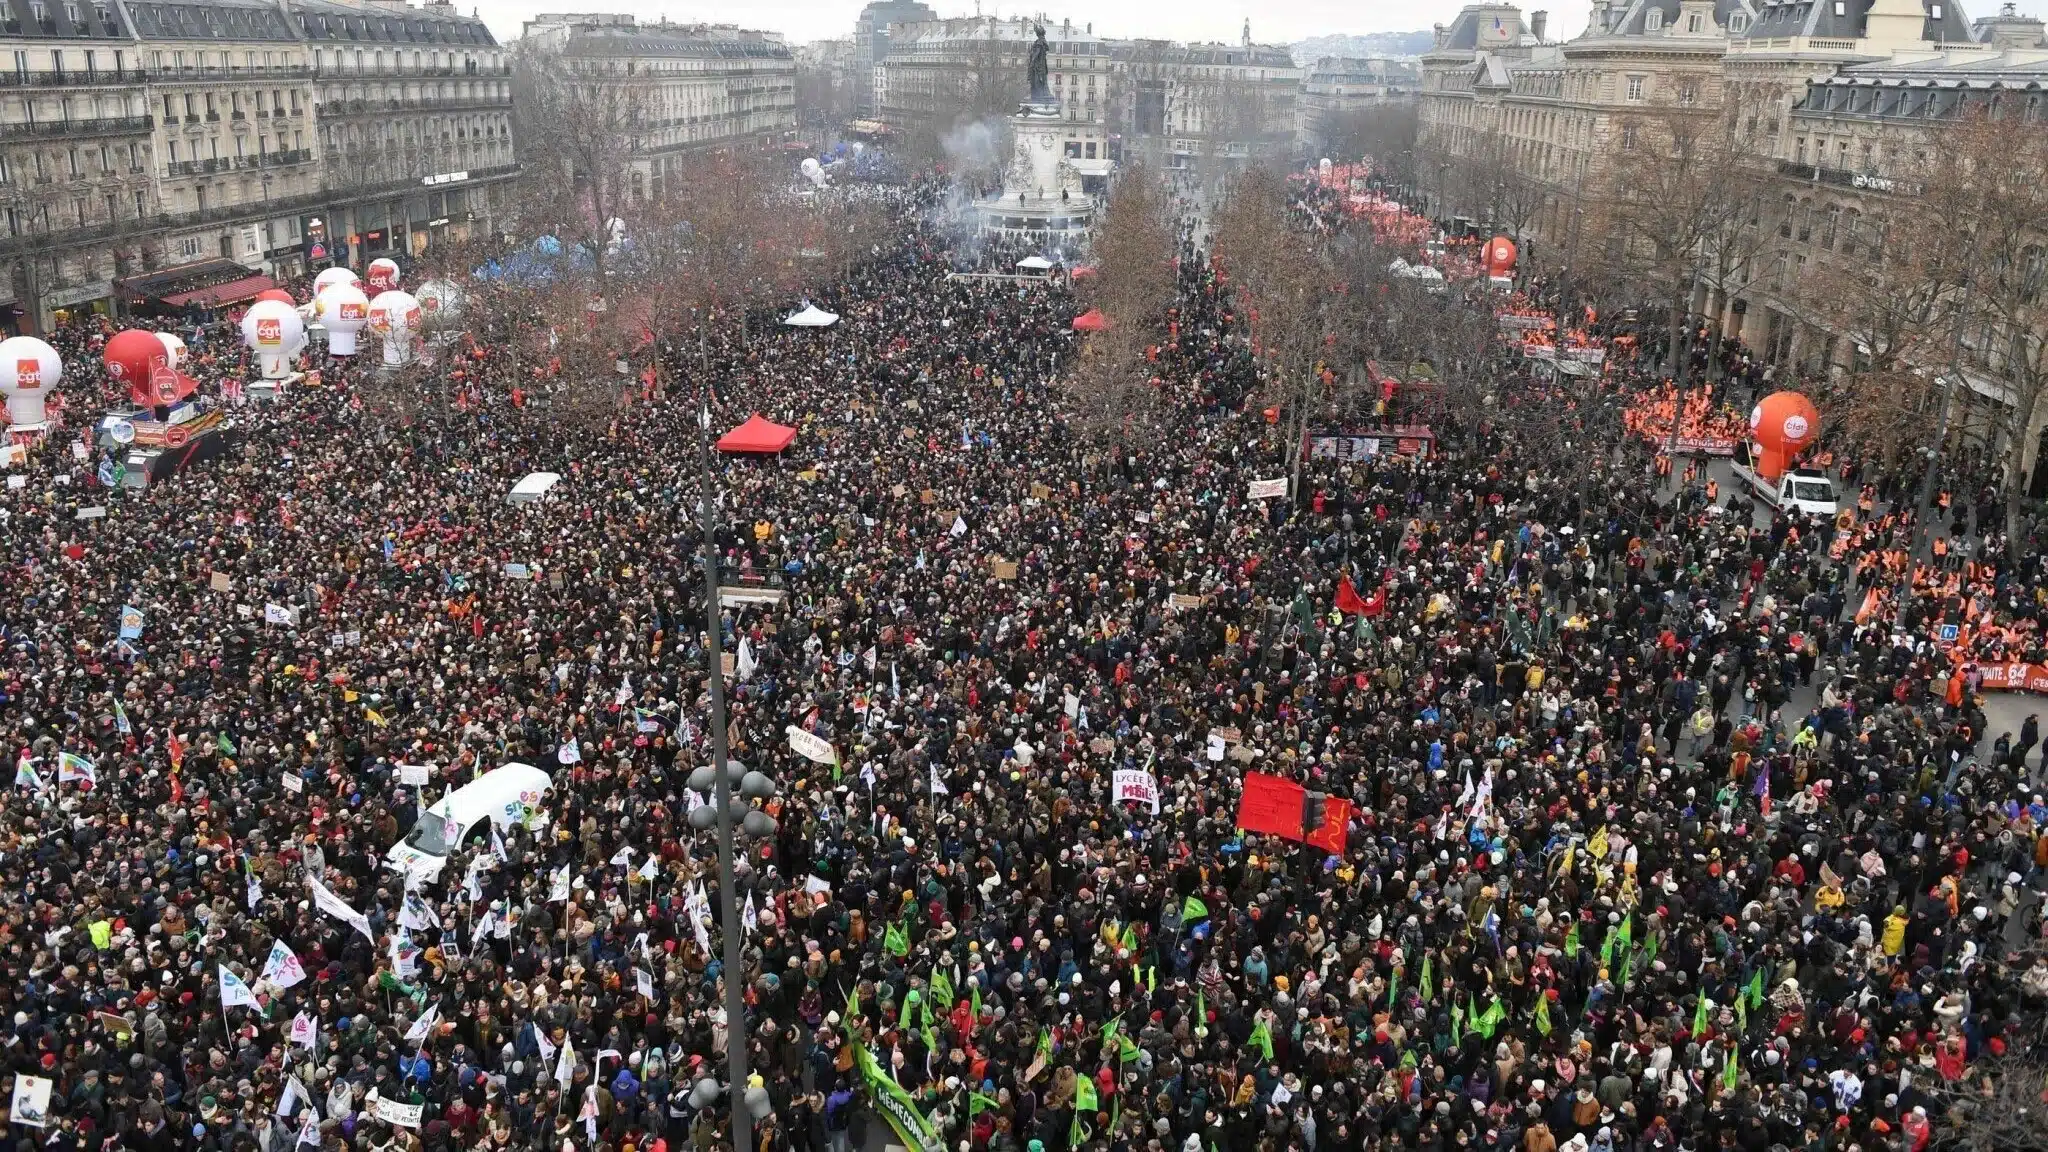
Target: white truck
(1802,491)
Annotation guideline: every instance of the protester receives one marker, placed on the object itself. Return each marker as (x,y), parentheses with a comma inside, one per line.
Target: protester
(1599,891)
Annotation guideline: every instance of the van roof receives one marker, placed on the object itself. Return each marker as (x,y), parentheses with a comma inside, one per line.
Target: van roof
(511,777)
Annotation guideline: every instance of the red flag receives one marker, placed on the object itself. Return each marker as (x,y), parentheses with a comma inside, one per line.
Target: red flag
(177,789)
(177,753)
(1271,805)
(1336,826)
(1348,600)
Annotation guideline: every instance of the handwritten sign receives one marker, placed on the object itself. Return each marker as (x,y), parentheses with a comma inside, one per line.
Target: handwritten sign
(1039,491)
(1267,489)
(220,582)
(1182,601)
(1130,785)
(1004,569)
(811,746)
(415,774)
(292,783)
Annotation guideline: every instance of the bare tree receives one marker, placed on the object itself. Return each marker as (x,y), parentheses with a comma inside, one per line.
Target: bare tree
(1113,383)
(586,118)
(1998,1107)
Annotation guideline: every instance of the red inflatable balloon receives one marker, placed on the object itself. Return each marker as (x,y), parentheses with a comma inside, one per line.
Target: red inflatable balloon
(133,359)
(277,294)
(1782,424)
(1499,256)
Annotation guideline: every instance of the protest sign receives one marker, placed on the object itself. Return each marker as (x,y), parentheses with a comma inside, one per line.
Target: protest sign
(1131,785)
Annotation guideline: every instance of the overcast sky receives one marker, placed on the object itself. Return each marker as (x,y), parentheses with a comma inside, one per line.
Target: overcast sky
(1283,22)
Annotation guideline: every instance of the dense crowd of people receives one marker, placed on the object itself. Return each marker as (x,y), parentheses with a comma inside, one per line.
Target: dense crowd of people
(1601,888)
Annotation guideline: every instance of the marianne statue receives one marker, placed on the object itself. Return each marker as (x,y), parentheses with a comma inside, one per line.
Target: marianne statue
(1041,90)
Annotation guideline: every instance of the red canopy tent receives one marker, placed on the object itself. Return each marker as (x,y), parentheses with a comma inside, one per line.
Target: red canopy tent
(758,434)
(1091,321)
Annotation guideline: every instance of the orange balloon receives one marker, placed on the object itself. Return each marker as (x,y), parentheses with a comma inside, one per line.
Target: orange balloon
(1782,424)
(1499,256)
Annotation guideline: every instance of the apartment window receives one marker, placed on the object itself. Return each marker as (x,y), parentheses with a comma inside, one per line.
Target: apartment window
(106,159)
(1738,23)
(1799,150)
(1628,137)
(1692,23)
(72,13)
(174,153)
(170,110)
(1688,91)
(71,162)
(1635,89)
(1934,11)
(1653,20)
(141,204)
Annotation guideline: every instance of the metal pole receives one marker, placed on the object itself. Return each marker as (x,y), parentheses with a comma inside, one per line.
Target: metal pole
(1923,531)
(729,915)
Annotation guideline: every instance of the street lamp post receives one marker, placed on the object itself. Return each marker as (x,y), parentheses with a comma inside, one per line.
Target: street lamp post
(729,914)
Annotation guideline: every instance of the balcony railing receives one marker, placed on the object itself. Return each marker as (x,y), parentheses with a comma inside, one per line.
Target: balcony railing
(1840,178)
(102,126)
(73,78)
(335,109)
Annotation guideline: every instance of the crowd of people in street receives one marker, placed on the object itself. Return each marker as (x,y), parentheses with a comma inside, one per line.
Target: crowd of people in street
(1603,888)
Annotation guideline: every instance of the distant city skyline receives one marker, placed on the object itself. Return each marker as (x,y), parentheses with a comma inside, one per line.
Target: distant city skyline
(801,21)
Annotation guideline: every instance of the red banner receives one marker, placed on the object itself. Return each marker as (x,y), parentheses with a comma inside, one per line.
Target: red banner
(2014,677)
(1270,805)
(1336,826)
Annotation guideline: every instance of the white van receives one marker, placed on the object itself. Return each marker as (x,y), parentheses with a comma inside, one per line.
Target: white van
(1801,491)
(506,795)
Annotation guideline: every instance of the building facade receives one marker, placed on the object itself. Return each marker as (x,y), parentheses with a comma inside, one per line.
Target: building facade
(870,48)
(1203,109)
(143,136)
(1338,88)
(957,80)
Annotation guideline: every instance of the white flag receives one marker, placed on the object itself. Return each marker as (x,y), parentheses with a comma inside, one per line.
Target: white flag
(959,526)
(939,786)
(648,870)
(747,915)
(624,693)
(698,908)
(31,1101)
(309,1129)
(559,888)
(233,992)
(498,844)
(283,969)
(305,1031)
(569,753)
(336,907)
(279,614)
(414,913)
(643,983)
(424,1024)
(255,891)
(547,1046)
(868,658)
(565,1065)
(294,1094)
(746,663)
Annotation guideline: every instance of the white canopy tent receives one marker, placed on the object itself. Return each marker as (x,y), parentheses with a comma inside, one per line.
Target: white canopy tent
(533,487)
(1035,264)
(812,316)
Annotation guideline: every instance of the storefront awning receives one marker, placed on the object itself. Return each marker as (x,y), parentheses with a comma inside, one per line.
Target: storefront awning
(232,292)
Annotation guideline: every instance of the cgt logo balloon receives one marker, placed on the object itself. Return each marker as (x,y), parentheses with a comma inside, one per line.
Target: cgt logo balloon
(28,373)
(270,332)
(354,310)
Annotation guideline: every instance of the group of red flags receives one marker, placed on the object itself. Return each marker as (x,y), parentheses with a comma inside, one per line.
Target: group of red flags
(1351,603)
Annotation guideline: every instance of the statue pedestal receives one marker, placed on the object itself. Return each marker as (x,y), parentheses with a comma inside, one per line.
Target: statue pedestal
(1040,204)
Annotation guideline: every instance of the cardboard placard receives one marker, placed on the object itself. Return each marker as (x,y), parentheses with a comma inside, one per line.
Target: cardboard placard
(1004,569)
(1182,601)
(221,582)
(415,774)
(1039,491)
(898,491)
(292,783)
(927,497)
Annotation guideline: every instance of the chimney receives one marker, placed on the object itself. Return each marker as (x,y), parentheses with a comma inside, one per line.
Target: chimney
(1538,21)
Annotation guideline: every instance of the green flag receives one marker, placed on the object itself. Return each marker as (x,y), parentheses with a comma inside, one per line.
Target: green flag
(1457,1029)
(1543,1014)
(1650,946)
(1490,1019)
(1607,950)
(1261,1039)
(1084,1094)
(227,747)
(896,941)
(1201,1010)
(941,989)
(974,1000)
(1193,909)
(1393,987)
(1571,942)
(1110,1029)
(1044,1044)
(1730,1073)
(1428,979)
(1742,1015)
(977,1103)
(1628,931)
(1699,1016)
(1756,989)
(1129,943)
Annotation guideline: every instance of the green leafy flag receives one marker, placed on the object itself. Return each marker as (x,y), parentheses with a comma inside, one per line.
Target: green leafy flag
(1428,979)
(977,1103)
(1571,942)
(1044,1044)
(941,989)
(1490,1019)
(1729,1072)
(1084,1094)
(1192,909)
(1628,932)
(1261,1039)
(1607,950)
(1756,989)
(1543,1014)
(1110,1030)
(896,941)
(1699,1016)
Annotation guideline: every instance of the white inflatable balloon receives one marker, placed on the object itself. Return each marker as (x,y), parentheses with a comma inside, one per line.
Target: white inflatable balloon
(29,371)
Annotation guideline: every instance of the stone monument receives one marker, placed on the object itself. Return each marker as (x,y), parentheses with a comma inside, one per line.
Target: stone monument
(1041,201)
